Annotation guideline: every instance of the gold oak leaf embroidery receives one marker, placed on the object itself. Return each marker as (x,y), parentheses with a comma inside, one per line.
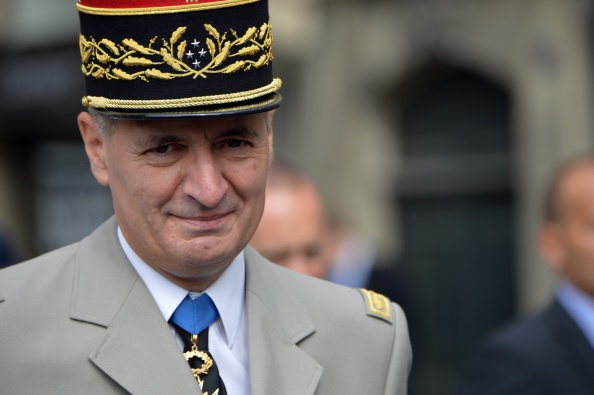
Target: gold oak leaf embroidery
(106,59)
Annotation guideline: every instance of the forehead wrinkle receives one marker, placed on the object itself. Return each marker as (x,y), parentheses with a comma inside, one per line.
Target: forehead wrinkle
(156,133)
(155,139)
(237,131)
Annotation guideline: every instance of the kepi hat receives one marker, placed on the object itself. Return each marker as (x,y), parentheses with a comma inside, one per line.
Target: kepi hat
(177,58)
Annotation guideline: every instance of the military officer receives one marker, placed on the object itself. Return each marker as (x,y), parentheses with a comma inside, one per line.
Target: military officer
(166,297)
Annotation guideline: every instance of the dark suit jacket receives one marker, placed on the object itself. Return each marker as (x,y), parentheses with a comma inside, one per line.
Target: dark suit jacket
(544,354)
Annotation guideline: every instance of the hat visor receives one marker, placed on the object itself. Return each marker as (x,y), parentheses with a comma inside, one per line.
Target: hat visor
(254,106)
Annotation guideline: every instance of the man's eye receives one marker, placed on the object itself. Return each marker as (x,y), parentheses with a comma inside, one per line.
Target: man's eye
(235,143)
(162,149)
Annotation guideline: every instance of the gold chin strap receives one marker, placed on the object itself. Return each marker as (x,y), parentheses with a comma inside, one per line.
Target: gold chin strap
(104,103)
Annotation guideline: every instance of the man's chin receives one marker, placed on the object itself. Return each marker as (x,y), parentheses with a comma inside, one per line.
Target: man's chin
(204,252)
(202,226)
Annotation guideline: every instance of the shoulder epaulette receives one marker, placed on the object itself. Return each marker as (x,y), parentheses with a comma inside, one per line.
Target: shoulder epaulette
(377,305)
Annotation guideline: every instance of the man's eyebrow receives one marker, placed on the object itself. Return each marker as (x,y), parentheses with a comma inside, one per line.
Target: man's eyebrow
(239,131)
(158,139)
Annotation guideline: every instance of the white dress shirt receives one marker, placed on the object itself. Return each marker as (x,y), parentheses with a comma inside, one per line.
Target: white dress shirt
(580,306)
(227,336)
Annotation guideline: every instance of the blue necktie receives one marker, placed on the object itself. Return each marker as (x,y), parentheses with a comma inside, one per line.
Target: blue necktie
(195,315)
(192,319)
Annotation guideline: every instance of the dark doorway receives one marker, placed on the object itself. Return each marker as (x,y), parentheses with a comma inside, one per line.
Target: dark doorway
(456,201)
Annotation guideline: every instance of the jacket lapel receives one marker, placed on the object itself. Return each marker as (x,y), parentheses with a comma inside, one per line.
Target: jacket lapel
(138,350)
(579,354)
(276,324)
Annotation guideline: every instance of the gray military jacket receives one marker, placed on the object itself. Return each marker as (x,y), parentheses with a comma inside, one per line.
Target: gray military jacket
(79,320)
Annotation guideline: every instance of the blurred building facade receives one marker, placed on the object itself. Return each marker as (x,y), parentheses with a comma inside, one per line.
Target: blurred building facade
(431,127)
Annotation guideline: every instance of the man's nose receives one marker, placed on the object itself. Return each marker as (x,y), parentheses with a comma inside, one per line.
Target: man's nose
(204,180)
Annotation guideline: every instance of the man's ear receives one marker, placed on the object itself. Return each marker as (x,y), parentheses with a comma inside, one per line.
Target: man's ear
(551,246)
(95,144)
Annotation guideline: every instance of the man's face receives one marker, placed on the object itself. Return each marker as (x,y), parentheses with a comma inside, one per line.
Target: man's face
(187,194)
(293,230)
(573,234)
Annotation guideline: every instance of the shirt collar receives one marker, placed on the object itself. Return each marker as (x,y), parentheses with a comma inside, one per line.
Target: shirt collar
(227,292)
(580,306)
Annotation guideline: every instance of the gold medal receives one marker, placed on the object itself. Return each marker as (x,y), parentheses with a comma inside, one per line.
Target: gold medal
(195,353)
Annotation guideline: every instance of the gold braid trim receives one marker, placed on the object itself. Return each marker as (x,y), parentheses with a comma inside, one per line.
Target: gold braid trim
(161,10)
(105,103)
(106,59)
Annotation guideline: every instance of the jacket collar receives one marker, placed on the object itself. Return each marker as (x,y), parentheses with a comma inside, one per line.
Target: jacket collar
(138,350)
(277,323)
(578,352)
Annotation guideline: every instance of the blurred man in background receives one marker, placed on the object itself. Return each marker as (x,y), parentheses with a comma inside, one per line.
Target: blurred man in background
(295,232)
(551,352)
(294,228)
